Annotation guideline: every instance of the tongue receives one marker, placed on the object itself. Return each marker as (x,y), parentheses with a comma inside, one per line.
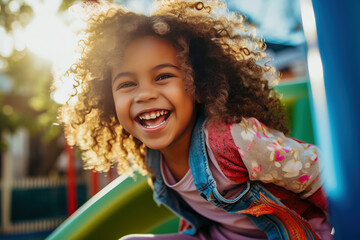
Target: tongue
(154,122)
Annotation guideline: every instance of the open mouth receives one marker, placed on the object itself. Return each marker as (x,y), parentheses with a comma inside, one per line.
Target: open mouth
(153,119)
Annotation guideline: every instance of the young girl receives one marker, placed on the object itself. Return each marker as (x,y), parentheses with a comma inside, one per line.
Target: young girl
(180,95)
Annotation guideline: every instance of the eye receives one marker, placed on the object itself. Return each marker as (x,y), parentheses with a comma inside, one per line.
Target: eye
(126,85)
(163,76)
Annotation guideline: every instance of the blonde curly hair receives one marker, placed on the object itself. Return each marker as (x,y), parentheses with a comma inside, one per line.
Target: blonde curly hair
(218,55)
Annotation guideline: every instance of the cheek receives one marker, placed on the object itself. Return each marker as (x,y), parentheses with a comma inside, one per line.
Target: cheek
(185,104)
(179,91)
(187,101)
(121,108)
(184,100)
(122,114)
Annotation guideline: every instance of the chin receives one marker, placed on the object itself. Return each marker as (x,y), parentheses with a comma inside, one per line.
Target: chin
(155,146)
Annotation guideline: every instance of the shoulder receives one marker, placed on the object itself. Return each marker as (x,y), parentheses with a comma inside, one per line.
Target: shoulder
(221,141)
(226,152)
(226,139)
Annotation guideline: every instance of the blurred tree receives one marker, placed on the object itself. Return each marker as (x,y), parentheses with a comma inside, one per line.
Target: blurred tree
(12,11)
(27,103)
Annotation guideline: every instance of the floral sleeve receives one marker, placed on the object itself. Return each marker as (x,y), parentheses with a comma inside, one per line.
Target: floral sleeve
(271,157)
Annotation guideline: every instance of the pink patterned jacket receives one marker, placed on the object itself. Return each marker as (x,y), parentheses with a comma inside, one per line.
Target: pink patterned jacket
(288,167)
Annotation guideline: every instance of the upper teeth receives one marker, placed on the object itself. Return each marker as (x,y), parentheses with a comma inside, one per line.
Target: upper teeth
(152,115)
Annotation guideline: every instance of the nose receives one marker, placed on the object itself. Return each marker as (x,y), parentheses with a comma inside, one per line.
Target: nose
(146,93)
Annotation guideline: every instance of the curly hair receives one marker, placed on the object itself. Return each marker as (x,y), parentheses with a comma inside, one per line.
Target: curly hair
(218,54)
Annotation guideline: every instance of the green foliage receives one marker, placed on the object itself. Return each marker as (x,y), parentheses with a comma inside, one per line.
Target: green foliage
(28,103)
(22,15)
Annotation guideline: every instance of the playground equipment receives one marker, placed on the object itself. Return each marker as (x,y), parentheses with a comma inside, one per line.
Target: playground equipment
(337,31)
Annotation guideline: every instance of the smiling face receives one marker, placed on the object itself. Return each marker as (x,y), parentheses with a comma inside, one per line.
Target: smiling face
(149,94)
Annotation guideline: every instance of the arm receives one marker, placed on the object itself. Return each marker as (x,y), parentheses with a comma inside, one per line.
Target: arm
(272,157)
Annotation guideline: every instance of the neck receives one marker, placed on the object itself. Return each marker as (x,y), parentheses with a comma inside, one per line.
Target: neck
(177,161)
(177,155)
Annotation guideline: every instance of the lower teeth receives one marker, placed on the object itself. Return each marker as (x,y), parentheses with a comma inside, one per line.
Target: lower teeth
(156,125)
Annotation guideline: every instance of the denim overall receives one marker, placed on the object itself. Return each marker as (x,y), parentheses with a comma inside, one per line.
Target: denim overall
(273,226)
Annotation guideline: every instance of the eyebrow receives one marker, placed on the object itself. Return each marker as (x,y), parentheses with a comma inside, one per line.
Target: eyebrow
(164,65)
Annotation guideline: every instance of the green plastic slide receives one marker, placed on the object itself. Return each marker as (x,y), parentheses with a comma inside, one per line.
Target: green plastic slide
(126,206)
(122,207)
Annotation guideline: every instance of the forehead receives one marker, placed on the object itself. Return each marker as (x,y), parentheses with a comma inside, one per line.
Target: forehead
(150,49)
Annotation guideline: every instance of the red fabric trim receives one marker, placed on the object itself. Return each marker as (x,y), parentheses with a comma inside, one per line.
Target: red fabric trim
(319,199)
(226,153)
